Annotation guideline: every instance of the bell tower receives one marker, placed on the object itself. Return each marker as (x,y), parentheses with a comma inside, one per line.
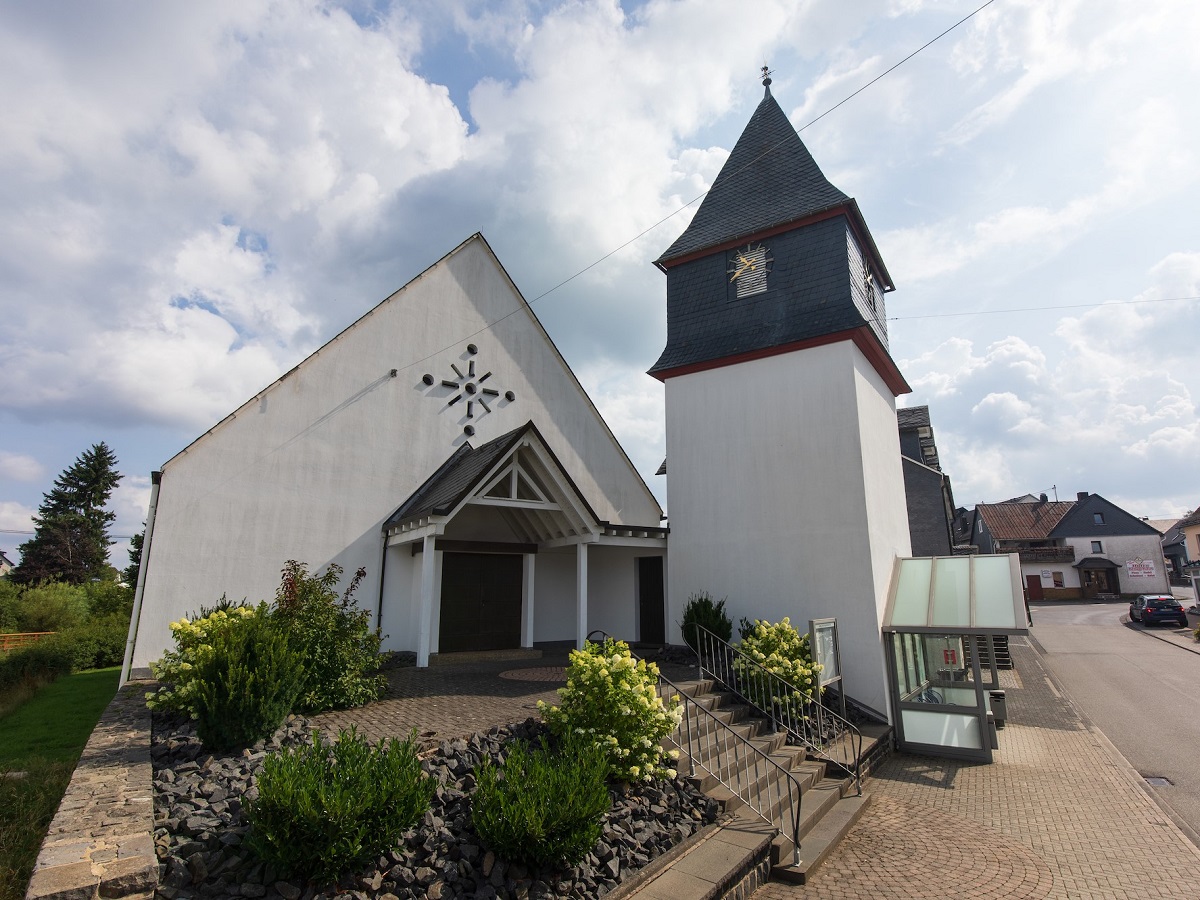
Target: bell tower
(785,491)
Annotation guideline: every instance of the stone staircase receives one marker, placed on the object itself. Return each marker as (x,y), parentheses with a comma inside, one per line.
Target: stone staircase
(1003,654)
(737,855)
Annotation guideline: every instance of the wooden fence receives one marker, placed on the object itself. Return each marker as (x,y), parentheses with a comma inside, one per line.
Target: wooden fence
(13,641)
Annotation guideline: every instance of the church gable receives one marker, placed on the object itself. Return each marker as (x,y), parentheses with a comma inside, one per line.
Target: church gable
(312,466)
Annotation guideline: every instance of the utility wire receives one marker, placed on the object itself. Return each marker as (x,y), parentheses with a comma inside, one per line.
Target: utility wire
(765,153)
(645,231)
(992,312)
(487,327)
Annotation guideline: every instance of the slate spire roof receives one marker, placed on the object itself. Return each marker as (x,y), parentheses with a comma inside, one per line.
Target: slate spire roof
(770,179)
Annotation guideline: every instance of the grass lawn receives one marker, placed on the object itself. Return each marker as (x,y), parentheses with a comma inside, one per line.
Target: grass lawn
(43,738)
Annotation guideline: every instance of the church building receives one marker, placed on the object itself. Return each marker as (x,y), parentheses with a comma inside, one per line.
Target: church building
(442,443)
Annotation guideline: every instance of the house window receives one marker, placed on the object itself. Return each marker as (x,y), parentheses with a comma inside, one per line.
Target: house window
(1098,518)
(1097,547)
(1058,579)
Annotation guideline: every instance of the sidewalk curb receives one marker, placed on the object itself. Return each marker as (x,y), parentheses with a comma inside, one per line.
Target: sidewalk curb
(1192,838)
(1170,640)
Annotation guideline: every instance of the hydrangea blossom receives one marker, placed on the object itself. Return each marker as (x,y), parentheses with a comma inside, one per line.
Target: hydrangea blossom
(614,697)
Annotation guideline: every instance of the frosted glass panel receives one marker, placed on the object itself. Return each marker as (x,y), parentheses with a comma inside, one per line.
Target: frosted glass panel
(941,729)
(952,592)
(912,592)
(995,606)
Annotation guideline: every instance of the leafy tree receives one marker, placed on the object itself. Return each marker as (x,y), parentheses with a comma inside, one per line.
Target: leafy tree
(70,541)
(130,574)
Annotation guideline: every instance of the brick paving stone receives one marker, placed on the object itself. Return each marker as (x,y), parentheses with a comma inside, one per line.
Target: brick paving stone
(1053,816)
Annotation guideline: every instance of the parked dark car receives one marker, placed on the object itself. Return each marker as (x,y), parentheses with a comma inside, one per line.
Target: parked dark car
(1151,609)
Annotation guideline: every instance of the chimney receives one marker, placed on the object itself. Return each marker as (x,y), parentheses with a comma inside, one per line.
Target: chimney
(1082,495)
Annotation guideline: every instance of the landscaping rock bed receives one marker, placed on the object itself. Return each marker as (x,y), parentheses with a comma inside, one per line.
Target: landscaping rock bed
(200,827)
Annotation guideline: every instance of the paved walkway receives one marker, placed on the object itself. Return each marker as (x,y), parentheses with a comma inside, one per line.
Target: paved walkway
(1059,814)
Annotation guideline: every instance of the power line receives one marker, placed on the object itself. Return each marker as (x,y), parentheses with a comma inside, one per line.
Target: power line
(115,537)
(765,153)
(992,312)
(487,327)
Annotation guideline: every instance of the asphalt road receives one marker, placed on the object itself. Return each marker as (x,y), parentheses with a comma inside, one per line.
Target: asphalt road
(1144,694)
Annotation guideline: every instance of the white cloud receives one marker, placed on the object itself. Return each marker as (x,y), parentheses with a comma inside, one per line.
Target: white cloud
(632,405)
(197,196)
(20,467)
(16,517)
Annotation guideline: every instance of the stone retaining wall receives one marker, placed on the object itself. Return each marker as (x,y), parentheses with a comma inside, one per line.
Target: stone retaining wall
(101,842)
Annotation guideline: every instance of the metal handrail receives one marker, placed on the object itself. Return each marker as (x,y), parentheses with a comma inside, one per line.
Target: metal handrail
(807,721)
(744,769)
(740,766)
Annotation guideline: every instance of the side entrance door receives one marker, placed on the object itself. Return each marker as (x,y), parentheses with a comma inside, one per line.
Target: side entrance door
(1034,585)
(651,601)
(481,602)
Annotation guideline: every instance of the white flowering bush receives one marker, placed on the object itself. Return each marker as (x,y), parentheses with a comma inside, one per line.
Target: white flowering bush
(782,650)
(178,671)
(613,699)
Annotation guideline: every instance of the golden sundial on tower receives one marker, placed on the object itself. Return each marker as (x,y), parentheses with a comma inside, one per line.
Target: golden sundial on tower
(470,388)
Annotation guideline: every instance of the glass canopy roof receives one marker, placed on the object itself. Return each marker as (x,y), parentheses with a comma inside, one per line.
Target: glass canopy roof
(978,594)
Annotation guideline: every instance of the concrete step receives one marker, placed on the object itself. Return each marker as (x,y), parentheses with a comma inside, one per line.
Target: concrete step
(826,812)
(821,839)
(709,866)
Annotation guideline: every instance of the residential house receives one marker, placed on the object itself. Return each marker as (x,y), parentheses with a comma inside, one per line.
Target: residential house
(929,498)
(1189,535)
(1073,548)
(1174,547)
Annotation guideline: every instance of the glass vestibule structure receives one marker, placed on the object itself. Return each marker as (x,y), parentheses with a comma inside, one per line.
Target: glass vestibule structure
(942,616)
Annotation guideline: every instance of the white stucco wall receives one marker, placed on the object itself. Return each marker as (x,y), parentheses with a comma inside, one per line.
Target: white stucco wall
(1122,548)
(311,467)
(786,496)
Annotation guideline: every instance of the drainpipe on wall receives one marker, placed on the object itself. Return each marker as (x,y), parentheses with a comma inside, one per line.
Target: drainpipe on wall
(382,570)
(143,566)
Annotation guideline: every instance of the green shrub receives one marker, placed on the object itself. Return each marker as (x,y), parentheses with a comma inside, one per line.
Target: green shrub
(542,808)
(340,649)
(321,811)
(107,598)
(782,650)
(701,609)
(613,701)
(51,606)
(94,645)
(9,596)
(176,671)
(246,685)
(32,665)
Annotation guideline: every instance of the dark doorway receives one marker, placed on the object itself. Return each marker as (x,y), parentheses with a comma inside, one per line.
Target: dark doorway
(1033,585)
(1099,581)
(481,602)
(652,626)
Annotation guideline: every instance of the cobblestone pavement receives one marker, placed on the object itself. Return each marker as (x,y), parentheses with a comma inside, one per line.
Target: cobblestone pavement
(441,702)
(1058,814)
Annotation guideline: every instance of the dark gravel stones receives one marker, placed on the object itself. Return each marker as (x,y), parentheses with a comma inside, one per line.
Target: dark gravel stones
(200,828)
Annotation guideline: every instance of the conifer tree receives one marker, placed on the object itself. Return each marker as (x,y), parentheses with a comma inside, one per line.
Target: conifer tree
(135,558)
(70,540)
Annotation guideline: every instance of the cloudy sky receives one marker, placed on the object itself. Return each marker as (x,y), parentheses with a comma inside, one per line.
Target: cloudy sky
(196,196)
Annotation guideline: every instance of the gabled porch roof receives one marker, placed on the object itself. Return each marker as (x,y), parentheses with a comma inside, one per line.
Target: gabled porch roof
(517,475)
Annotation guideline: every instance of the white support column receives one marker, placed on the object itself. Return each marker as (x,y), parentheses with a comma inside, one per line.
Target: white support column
(425,616)
(527,601)
(581,578)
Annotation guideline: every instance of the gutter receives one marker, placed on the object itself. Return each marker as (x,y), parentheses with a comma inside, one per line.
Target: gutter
(140,591)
